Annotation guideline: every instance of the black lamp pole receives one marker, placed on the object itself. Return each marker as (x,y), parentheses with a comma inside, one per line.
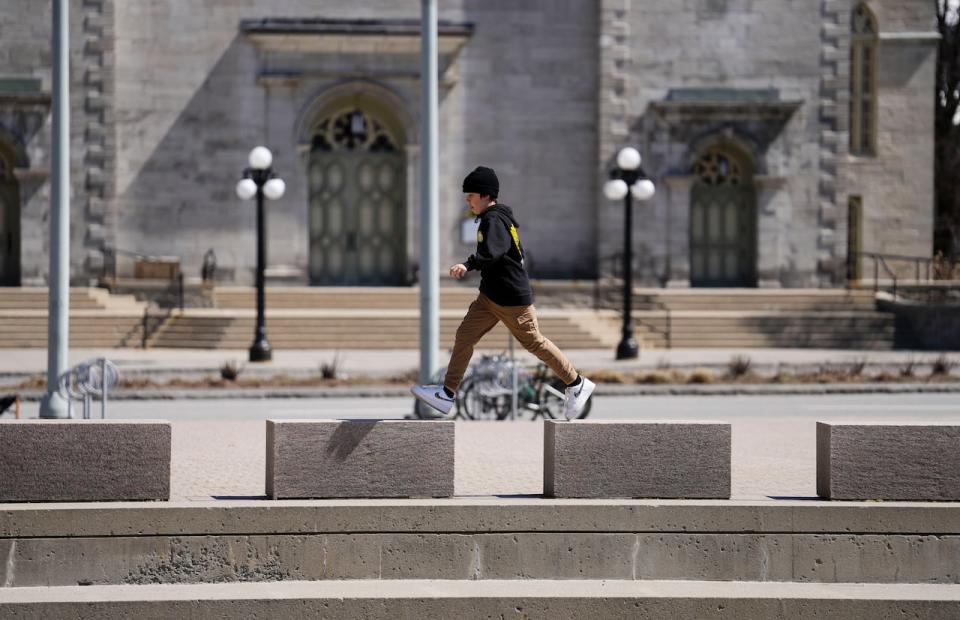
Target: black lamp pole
(628,348)
(260,351)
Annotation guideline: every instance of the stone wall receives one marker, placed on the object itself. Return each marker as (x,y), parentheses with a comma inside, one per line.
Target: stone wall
(703,45)
(925,326)
(189,105)
(168,98)
(897,184)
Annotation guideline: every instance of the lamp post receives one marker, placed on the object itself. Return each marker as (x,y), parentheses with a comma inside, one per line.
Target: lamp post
(260,180)
(627,181)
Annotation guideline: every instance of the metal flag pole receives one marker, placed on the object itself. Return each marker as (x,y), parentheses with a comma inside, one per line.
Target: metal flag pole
(53,404)
(429,195)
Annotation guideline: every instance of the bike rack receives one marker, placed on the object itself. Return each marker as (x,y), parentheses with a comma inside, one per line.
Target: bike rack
(91,378)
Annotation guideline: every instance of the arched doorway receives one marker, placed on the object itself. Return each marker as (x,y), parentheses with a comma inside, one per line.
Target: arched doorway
(357,178)
(9,221)
(723,220)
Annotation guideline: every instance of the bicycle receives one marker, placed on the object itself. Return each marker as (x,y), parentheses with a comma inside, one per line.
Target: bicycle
(539,393)
(486,392)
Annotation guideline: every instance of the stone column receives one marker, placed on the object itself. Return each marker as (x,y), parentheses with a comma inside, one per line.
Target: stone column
(773,199)
(613,121)
(99,136)
(833,122)
(677,197)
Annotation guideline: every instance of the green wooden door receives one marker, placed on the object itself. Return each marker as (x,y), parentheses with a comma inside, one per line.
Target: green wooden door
(9,228)
(357,206)
(723,225)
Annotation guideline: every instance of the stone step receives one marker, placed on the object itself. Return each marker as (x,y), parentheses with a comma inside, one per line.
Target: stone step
(463,598)
(340,297)
(486,538)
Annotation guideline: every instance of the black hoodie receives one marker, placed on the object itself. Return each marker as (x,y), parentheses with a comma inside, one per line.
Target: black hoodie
(499,257)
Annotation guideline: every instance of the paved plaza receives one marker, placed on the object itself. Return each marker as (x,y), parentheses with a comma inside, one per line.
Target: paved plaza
(219,445)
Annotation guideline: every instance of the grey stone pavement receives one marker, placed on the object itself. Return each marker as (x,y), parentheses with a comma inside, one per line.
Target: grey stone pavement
(219,446)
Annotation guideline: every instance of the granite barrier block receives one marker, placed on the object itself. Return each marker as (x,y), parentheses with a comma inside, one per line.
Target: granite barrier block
(912,461)
(84,460)
(359,458)
(637,459)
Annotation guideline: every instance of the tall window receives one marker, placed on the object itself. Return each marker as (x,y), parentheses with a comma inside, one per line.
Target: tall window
(864,45)
(854,236)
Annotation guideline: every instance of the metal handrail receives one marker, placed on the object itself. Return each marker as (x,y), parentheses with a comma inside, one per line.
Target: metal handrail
(880,260)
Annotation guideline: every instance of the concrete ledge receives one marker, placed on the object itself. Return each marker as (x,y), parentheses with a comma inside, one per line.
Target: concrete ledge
(84,460)
(401,599)
(823,558)
(888,461)
(458,515)
(359,458)
(637,459)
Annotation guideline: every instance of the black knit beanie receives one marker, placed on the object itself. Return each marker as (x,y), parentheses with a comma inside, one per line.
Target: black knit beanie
(482,181)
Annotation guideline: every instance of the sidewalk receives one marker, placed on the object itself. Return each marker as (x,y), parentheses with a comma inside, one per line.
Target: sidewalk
(369,372)
(388,363)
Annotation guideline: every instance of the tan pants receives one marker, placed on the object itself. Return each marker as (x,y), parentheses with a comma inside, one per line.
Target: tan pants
(482,316)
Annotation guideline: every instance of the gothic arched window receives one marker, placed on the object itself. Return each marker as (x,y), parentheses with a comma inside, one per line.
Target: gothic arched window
(864,45)
(353,130)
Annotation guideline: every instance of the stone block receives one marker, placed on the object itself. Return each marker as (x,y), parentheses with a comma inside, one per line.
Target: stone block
(637,459)
(862,461)
(84,460)
(359,458)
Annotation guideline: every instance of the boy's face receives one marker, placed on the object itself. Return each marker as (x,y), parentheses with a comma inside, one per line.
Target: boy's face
(477,203)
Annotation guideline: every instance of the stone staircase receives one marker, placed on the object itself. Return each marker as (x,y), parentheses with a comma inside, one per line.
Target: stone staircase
(357,318)
(97,319)
(367,328)
(757,318)
(455,298)
(388,318)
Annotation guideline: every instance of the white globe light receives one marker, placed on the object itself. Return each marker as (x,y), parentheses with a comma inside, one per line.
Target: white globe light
(260,158)
(628,158)
(246,189)
(615,189)
(643,189)
(274,188)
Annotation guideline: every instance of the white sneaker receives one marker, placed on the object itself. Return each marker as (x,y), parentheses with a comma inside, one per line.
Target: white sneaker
(434,396)
(577,397)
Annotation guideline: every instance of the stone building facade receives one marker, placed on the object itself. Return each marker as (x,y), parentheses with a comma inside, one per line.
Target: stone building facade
(741,109)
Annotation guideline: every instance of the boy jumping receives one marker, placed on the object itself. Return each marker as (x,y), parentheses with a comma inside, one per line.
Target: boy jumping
(505,296)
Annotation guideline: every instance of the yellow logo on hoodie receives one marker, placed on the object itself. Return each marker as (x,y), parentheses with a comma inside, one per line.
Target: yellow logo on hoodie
(479,237)
(516,239)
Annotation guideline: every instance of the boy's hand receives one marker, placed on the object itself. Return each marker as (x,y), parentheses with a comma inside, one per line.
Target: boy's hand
(458,271)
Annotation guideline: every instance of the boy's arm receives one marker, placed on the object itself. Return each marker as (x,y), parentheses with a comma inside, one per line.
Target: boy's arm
(496,242)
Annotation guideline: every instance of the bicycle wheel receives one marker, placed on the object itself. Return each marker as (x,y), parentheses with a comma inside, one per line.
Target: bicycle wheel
(553,398)
(477,406)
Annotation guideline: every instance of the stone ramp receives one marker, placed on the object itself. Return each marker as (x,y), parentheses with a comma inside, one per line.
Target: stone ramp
(490,599)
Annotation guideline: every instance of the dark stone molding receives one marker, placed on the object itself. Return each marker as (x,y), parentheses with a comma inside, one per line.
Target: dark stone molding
(358,27)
